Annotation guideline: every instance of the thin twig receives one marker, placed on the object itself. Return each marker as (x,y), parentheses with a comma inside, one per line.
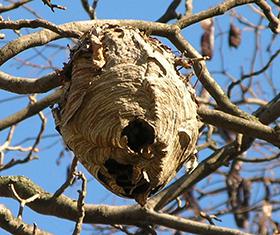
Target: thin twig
(189,7)
(259,160)
(22,201)
(70,179)
(256,73)
(170,13)
(90,10)
(81,204)
(53,6)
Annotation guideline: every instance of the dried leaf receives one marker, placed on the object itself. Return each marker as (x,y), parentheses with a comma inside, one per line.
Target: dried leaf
(207,38)
(234,39)
(239,191)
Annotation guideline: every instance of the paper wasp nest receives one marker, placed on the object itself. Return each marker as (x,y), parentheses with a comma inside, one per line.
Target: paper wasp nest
(126,113)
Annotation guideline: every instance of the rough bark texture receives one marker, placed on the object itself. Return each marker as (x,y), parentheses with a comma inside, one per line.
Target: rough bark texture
(126,112)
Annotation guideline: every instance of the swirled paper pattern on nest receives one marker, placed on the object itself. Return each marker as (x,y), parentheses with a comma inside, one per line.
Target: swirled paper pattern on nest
(126,112)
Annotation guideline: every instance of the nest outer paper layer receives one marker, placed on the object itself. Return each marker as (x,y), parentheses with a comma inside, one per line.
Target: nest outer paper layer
(126,112)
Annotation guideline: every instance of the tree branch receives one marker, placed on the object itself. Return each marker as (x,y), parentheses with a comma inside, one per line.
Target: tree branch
(220,9)
(30,110)
(16,226)
(256,73)
(239,125)
(81,204)
(22,85)
(53,6)
(39,23)
(274,22)
(194,227)
(205,77)
(170,13)
(90,10)
(45,36)
(66,208)
(13,5)
(213,162)
(209,165)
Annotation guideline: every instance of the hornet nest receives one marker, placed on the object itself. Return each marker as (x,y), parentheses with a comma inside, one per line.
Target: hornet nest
(126,112)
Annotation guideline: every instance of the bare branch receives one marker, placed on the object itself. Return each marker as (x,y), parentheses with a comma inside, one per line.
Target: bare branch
(214,11)
(22,201)
(13,5)
(189,7)
(38,23)
(259,160)
(260,71)
(53,6)
(188,226)
(276,2)
(22,85)
(14,162)
(170,13)
(204,76)
(45,36)
(239,125)
(66,208)
(274,22)
(90,10)
(30,110)
(16,226)
(81,204)
(270,112)
(70,179)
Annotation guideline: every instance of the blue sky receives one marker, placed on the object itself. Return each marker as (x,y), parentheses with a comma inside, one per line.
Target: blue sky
(45,170)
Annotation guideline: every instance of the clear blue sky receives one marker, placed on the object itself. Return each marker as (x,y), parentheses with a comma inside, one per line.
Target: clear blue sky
(45,171)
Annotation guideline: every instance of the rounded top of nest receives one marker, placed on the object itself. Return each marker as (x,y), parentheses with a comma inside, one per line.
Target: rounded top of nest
(126,112)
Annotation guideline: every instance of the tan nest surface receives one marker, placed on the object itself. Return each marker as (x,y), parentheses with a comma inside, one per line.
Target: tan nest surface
(126,112)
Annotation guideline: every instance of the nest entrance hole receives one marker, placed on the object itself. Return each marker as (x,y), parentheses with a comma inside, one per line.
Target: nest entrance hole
(139,134)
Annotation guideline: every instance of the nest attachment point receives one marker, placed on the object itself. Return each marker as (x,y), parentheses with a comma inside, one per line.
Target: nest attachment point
(126,112)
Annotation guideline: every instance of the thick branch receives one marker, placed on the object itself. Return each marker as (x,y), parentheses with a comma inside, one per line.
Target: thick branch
(239,125)
(270,112)
(214,11)
(13,6)
(16,226)
(30,110)
(266,115)
(45,36)
(213,162)
(188,225)
(205,77)
(66,208)
(39,23)
(274,22)
(22,85)
(209,165)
